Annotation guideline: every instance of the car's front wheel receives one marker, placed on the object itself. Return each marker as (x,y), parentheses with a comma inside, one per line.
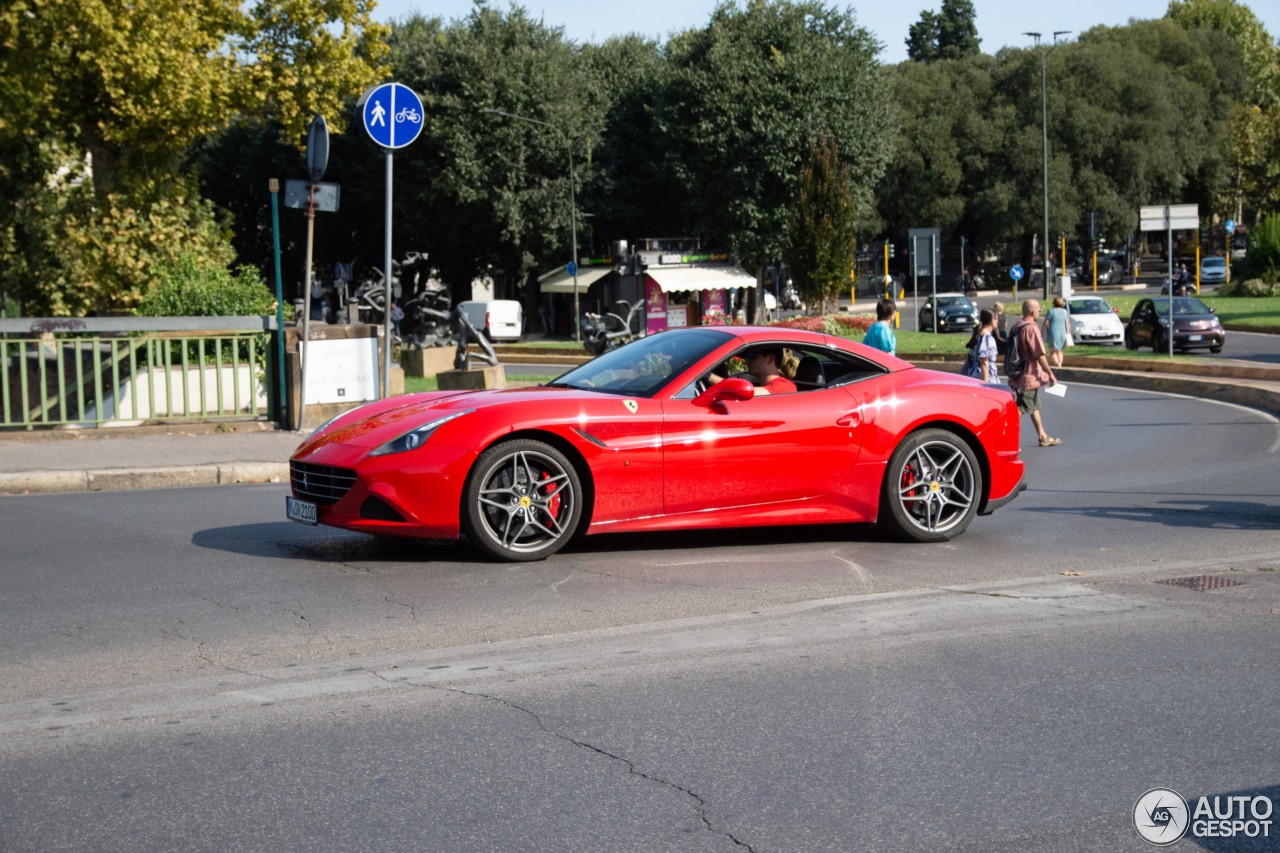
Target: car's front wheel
(932,487)
(522,501)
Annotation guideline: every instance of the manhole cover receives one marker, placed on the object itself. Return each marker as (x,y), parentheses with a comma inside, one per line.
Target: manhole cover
(1203,583)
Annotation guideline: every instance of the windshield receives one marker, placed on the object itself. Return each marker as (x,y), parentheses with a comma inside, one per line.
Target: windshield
(642,368)
(1089,306)
(953,301)
(1182,306)
(1211,263)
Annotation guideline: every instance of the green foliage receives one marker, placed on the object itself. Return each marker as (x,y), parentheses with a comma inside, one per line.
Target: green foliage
(100,255)
(192,287)
(1255,120)
(950,34)
(1136,115)
(1254,288)
(493,191)
(746,97)
(1263,260)
(822,242)
(117,93)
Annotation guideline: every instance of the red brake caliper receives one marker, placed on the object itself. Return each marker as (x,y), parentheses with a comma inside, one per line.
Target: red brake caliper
(553,505)
(908,476)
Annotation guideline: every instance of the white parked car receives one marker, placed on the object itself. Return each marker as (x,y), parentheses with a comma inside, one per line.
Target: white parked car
(1094,321)
(496,319)
(1213,270)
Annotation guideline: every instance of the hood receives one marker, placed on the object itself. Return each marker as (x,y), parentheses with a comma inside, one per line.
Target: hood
(376,423)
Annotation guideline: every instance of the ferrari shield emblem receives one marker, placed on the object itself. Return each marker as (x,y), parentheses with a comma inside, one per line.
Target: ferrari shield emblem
(632,406)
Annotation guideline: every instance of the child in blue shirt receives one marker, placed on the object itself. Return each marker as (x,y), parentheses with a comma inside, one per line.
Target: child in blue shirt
(880,335)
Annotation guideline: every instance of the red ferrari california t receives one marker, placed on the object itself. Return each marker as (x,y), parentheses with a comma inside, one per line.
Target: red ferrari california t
(641,439)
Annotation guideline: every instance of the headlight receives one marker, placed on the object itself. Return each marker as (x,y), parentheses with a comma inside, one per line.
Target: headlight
(1164,321)
(416,437)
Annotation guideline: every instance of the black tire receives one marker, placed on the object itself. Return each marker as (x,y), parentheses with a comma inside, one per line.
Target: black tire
(1129,342)
(522,501)
(1216,349)
(932,487)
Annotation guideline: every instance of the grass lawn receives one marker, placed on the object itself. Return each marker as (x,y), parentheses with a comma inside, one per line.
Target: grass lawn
(414,384)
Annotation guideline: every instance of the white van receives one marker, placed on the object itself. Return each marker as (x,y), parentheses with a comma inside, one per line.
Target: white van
(497,319)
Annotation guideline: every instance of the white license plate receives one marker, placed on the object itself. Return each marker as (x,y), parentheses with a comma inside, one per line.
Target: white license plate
(303,512)
(1195,337)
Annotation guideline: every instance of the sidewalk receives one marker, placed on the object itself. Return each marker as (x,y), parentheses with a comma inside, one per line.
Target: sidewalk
(143,458)
(197,455)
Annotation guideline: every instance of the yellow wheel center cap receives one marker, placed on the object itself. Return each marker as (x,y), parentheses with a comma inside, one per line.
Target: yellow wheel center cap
(935,486)
(525,503)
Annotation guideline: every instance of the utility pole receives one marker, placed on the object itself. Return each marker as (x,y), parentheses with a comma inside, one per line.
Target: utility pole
(1044,143)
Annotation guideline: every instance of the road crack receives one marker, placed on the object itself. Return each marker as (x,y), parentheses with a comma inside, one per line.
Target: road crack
(700,804)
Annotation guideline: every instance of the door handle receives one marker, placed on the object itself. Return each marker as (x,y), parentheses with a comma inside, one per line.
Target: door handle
(852,419)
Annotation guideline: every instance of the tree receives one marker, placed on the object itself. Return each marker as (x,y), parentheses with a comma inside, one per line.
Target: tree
(746,97)
(626,196)
(1254,154)
(952,127)
(493,193)
(951,34)
(120,91)
(823,239)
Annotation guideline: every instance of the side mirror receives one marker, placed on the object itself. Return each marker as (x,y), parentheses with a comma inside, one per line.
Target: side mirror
(736,388)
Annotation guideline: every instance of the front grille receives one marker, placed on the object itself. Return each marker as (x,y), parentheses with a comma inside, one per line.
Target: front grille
(322,484)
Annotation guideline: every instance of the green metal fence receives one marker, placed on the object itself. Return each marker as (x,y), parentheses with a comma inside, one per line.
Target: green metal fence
(129,370)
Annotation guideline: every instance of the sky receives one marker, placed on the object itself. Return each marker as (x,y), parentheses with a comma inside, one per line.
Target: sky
(1000,22)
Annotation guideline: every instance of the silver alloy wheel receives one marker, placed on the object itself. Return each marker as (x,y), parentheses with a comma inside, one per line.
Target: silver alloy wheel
(933,486)
(522,501)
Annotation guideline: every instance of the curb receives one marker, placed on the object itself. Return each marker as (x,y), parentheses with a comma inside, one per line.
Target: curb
(124,479)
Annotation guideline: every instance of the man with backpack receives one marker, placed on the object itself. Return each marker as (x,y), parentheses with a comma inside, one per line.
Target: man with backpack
(1027,368)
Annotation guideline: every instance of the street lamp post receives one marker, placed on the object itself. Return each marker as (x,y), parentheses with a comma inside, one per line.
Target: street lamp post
(1044,146)
(573,208)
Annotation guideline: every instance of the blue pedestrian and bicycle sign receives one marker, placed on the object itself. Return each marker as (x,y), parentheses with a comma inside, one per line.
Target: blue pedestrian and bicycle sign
(392,115)
(1015,272)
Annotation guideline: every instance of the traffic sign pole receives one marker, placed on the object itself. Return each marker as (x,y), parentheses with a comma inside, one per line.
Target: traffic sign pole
(393,117)
(1231,230)
(317,161)
(386,283)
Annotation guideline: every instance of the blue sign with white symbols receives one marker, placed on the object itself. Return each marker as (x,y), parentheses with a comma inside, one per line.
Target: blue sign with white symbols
(1015,272)
(1231,226)
(392,115)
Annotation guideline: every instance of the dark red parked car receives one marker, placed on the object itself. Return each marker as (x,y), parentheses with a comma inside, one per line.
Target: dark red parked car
(1195,326)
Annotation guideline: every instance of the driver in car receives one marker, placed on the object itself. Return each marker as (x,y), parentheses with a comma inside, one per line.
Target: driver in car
(763,370)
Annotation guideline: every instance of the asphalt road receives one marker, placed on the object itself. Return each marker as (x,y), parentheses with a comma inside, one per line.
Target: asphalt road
(187,670)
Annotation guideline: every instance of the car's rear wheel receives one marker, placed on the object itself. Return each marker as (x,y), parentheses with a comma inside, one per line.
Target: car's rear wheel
(1129,342)
(932,487)
(522,501)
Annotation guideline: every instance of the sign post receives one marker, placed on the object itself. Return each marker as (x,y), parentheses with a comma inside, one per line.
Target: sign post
(283,412)
(1168,218)
(927,265)
(1015,273)
(393,117)
(317,160)
(1231,230)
